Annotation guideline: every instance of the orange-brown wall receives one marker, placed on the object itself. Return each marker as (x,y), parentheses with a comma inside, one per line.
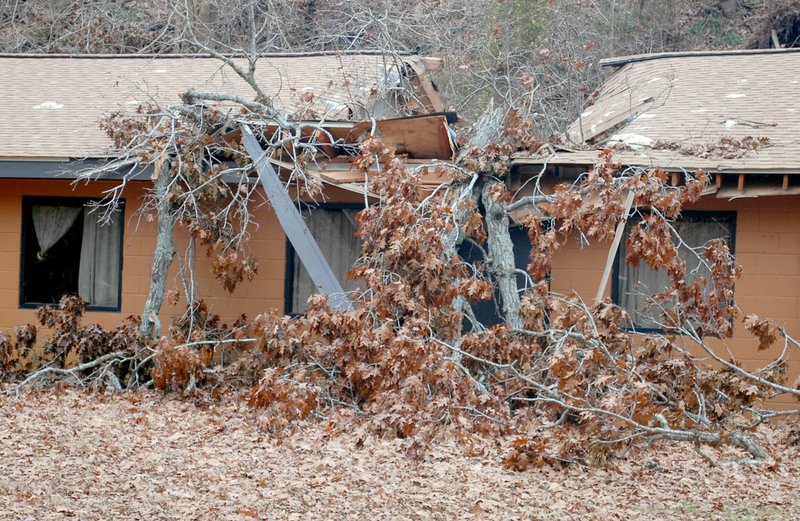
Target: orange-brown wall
(767,246)
(268,244)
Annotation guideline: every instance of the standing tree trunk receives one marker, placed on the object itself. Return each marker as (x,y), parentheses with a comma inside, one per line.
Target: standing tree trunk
(162,257)
(501,252)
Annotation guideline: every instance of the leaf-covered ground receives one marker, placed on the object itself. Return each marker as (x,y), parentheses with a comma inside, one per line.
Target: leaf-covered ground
(143,456)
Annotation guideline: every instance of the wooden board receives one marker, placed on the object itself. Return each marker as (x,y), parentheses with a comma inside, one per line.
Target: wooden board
(340,176)
(428,177)
(291,220)
(756,191)
(423,137)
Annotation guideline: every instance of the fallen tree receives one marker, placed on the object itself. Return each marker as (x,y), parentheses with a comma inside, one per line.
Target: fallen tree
(572,380)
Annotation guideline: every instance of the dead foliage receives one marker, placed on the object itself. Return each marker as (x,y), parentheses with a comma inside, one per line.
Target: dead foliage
(726,147)
(142,455)
(573,382)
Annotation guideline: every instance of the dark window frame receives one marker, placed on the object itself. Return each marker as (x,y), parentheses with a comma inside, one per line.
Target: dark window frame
(288,278)
(692,214)
(27,203)
(490,311)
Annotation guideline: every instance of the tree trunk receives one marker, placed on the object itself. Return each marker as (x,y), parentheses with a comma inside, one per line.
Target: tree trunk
(486,131)
(501,253)
(162,256)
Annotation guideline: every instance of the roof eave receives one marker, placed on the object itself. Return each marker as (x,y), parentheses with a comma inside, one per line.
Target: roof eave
(561,161)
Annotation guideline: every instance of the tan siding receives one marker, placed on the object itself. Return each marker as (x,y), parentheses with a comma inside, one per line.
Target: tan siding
(139,239)
(767,247)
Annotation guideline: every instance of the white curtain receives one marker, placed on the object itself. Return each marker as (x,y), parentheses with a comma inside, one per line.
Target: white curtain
(637,285)
(99,272)
(335,233)
(51,223)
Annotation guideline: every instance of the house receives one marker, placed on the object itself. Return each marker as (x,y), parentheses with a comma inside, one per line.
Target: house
(50,244)
(733,114)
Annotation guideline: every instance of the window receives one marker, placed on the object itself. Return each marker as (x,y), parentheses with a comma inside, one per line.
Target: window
(488,312)
(635,285)
(67,251)
(335,232)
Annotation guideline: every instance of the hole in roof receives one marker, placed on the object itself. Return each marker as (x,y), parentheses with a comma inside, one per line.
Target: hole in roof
(736,95)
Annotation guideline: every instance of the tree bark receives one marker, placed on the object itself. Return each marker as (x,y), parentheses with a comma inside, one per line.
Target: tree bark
(162,256)
(501,253)
(485,131)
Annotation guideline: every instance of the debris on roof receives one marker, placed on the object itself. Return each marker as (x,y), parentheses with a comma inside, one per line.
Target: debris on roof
(692,110)
(53,103)
(424,142)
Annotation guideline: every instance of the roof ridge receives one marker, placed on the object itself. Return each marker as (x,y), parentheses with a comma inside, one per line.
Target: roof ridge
(365,52)
(623,60)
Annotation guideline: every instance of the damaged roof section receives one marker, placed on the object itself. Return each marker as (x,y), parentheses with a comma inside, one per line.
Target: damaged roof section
(425,142)
(58,101)
(727,111)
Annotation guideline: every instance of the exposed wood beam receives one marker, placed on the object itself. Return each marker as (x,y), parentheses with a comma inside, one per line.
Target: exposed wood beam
(432,63)
(294,226)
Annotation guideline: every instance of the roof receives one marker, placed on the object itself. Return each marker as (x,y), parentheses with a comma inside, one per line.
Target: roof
(727,111)
(52,104)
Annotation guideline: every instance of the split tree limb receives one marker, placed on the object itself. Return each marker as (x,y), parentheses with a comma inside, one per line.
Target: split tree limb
(162,256)
(501,251)
(612,252)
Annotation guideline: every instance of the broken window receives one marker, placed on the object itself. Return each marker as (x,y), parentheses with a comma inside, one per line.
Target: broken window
(634,286)
(67,250)
(334,229)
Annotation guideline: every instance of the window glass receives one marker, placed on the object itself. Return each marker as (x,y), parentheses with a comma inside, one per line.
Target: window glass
(66,250)
(635,285)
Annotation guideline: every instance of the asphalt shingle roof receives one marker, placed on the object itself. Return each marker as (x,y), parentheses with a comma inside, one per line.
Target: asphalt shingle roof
(51,105)
(672,109)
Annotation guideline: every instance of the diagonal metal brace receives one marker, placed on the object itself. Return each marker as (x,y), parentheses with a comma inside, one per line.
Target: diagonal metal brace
(294,226)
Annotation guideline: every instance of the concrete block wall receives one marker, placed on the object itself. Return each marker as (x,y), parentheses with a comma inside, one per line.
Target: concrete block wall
(262,294)
(767,245)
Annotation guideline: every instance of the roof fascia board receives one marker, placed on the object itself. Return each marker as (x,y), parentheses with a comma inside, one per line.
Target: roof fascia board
(67,170)
(524,161)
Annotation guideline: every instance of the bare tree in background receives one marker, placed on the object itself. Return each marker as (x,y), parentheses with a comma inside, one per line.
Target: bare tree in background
(538,56)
